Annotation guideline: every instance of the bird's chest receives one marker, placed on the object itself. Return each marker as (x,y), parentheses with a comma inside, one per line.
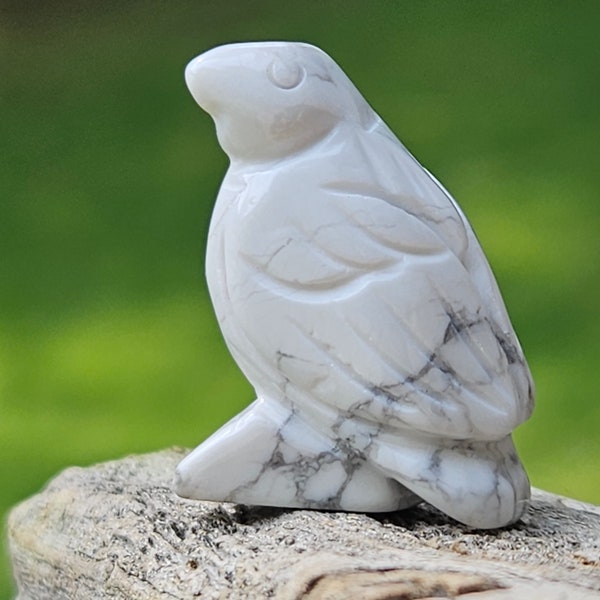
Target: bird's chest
(258,243)
(265,234)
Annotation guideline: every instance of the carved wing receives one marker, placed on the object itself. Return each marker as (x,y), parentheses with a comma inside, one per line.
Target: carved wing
(381,304)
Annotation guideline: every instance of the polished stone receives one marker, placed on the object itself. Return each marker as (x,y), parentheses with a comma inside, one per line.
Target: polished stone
(355,297)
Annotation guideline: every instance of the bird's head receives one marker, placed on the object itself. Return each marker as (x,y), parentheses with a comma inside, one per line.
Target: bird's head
(272,99)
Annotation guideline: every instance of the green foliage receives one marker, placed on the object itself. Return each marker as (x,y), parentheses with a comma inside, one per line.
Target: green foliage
(108,344)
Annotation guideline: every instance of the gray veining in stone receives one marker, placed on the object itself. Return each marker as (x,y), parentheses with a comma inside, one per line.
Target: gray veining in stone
(353,294)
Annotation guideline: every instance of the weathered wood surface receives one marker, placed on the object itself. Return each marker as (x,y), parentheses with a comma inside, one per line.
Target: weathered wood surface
(116,530)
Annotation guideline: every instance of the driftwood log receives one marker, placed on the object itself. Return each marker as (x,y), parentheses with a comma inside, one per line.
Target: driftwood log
(116,530)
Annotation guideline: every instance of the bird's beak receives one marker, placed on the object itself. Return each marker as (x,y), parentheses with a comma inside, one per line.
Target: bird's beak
(227,74)
(219,76)
(202,77)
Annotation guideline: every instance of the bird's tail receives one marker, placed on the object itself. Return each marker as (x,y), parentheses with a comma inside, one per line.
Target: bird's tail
(481,484)
(269,456)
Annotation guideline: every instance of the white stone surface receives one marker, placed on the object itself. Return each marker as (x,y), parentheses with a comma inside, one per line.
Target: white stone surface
(353,294)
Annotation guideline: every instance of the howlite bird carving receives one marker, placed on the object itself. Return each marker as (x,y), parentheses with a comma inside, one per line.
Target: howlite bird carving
(353,294)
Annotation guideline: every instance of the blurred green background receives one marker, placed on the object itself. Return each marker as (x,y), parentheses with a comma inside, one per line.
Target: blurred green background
(108,344)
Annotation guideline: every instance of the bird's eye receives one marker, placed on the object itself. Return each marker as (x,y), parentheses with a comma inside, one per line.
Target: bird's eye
(285,76)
